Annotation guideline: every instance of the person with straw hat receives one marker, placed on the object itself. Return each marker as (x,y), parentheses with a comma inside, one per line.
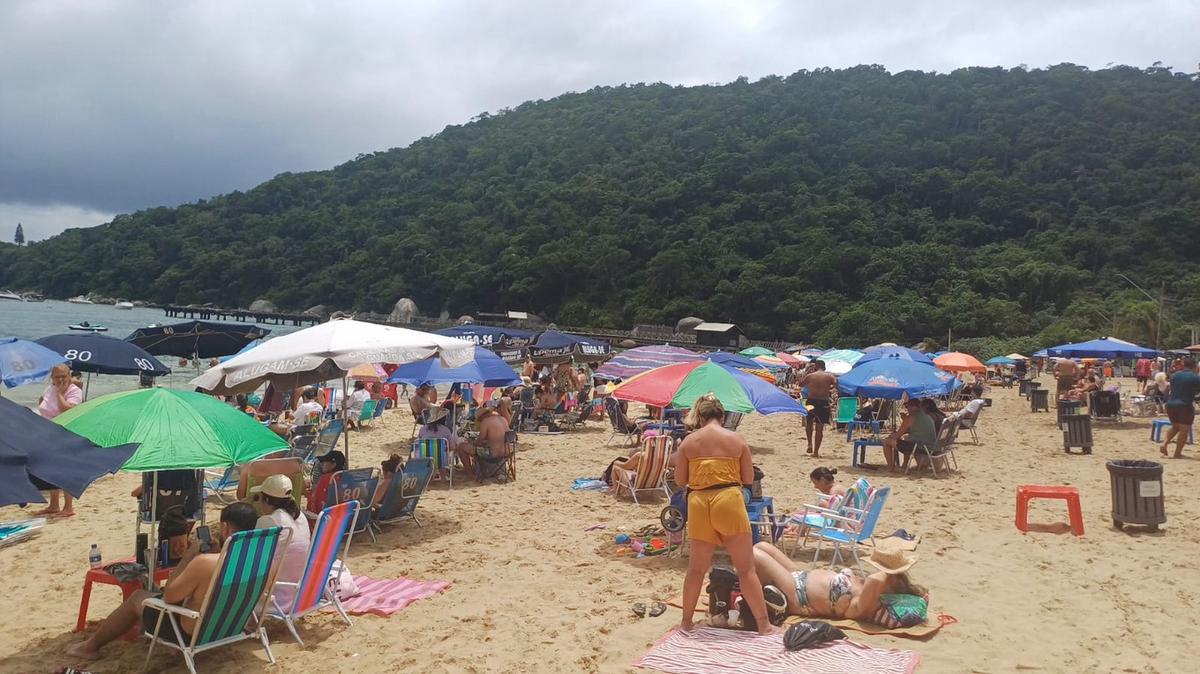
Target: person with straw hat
(845,594)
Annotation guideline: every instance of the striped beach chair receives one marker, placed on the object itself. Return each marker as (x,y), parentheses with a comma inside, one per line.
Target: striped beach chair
(438,451)
(403,494)
(317,589)
(238,591)
(651,473)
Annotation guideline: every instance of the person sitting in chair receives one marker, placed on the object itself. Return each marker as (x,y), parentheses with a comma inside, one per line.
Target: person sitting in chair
(318,493)
(354,403)
(187,586)
(388,469)
(437,426)
(917,428)
(274,498)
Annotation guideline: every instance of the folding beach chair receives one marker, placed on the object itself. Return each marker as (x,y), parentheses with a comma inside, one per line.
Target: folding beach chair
(621,425)
(358,485)
(436,450)
(943,447)
(651,473)
(1104,406)
(812,516)
(969,424)
(847,410)
(253,474)
(367,413)
(380,406)
(503,468)
(403,494)
(221,485)
(576,417)
(732,420)
(851,530)
(236,595)
(317,589)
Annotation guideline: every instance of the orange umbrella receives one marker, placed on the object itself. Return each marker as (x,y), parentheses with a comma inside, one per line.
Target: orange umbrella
(959,362)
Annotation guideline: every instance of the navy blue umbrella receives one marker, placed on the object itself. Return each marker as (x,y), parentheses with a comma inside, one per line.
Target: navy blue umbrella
(196,339)
(734,360)
(24,362)
(490,336)
(37,454)
(487,368)
(88,352)
(560,347)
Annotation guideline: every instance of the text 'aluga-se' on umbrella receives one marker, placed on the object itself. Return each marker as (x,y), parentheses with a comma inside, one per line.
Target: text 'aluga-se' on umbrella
(38,454)
(24,362)
(174,430)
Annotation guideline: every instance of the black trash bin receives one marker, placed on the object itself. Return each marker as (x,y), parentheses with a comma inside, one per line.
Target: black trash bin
(1137,493)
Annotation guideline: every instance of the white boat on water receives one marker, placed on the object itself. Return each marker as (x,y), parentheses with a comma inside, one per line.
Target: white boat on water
(124,305)
(10,295)
(79,299)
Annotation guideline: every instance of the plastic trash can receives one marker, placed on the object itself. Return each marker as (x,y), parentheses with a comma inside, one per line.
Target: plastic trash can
(1137,493)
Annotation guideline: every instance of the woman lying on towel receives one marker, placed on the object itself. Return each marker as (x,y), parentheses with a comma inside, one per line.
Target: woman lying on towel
(885,597)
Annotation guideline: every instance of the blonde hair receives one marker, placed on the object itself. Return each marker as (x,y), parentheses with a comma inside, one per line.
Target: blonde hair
(1160,377)
(706,408)
(61,368)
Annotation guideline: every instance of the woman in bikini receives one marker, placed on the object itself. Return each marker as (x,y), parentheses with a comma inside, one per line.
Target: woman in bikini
(713,463)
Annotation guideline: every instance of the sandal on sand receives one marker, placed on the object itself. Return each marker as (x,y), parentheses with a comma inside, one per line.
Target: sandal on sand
(901,533)
(657,609)
(639,609)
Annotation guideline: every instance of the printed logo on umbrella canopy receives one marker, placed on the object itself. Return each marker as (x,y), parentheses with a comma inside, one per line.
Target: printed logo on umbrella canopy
(883,380)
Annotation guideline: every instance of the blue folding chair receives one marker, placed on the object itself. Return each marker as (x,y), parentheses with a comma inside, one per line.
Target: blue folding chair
(403,494)
(357,484)
(850,531)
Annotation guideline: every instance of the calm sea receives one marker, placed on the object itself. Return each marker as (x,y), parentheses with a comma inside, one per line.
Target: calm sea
(34,320)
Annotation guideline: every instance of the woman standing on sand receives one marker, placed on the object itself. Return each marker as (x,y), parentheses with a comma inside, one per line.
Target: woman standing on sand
(61,395)
(713,463)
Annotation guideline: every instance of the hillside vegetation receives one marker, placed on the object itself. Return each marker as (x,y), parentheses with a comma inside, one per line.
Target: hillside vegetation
(836,206)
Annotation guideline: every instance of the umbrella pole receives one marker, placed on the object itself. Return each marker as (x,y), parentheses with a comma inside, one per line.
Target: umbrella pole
(345,422)
(87,384)
(152,550)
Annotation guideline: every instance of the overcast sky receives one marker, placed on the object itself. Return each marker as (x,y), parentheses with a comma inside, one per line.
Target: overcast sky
(109,107)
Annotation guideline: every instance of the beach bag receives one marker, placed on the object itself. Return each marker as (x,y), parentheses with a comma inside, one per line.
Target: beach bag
(810,634)
(901,610)
(343,582)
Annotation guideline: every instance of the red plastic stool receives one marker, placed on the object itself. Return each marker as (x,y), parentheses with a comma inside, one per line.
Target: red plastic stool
(105,578)
(1032,491)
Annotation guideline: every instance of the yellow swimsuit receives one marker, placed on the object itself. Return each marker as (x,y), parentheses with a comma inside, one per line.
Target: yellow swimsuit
(715,513)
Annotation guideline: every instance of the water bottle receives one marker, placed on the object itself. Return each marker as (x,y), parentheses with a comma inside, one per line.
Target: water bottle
(94,557)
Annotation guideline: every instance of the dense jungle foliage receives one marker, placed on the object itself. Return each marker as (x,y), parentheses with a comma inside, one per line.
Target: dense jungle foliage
(842,207)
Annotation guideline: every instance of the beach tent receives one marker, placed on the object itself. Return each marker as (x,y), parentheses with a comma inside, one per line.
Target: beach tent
(484,368)
(894,377)
(196,339)
(551,347)
(1108,348)
(679,385)
(959,362)
(638,360)
(902,352)
(24,362)
(89,352)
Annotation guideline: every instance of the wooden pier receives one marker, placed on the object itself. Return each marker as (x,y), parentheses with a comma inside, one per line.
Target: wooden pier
(239,315)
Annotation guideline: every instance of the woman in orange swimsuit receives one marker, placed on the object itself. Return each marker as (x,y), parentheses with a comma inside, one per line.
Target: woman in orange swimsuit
(713,463)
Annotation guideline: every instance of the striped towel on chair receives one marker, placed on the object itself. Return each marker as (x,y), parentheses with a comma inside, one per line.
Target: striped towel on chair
(708,650)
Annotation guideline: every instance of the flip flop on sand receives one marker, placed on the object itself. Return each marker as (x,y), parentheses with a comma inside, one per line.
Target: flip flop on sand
(901,533)
(639,609)
(656,609)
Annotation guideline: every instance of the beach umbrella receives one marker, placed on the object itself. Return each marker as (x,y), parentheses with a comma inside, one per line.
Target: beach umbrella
(1016,356)
(955,361)
(37,454)
(838,367)
(679,385)
(560,347)
(811,352)
(24,362)
(369,372)
(893,377)
(328,351)
(1108,348)
(902,352)
(1193,348)
(489,336)
(1040,354)
(849,356)
(484,368)
(242,350)
(1000,360)
(100,354)
(174,429)
(756,351)
(742,363)
(638,360)
(196,339)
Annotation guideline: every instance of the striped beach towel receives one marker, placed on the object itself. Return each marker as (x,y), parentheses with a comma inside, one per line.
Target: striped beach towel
(708,650)
(383,597)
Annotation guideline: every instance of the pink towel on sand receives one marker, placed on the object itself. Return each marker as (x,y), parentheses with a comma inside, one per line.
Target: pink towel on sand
(384,597)
(709,650)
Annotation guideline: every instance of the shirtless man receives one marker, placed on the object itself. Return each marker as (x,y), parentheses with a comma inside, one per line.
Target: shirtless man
(419,401)
(492,427)
(187,586)
(821,385)
(1065,373)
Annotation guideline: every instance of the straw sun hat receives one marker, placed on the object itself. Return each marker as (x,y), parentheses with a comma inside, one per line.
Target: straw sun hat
(890,559)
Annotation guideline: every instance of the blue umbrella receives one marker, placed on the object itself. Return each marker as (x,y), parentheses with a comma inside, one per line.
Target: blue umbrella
(560,347)
(487,368)
(734,360)
(902,352)
(89,352)
(893,376)
(489,335)
(1040,354)
(196,339)
(1000,360)
(1101,348)
(24,362)
(37,454)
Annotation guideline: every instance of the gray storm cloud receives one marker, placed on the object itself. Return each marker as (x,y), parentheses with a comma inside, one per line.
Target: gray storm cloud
(110,107)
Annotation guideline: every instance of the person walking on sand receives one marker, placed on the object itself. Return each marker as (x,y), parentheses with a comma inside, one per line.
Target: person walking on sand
(61,395)
(821,385)
(713,463)
(1066,372)
(1181,406)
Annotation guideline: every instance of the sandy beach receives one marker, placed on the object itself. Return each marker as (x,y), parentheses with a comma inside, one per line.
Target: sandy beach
(533,591)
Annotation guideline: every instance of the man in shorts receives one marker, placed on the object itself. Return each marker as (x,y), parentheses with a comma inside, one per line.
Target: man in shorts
(1066,373)
(187,586)
(1181,406)
(821,386)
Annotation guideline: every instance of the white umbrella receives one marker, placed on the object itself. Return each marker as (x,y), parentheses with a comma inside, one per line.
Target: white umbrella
(838,367)
(328,351)
(1016,356)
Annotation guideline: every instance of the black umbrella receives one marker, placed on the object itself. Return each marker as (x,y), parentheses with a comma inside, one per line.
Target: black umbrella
(562,347)
(88,352)
(38,454)
(196,339)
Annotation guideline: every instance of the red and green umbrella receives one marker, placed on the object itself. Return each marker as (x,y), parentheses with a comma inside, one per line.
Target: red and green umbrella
(679,385)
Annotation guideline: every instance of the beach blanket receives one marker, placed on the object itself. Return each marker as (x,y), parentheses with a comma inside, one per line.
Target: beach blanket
(936,621)
(708,650)
(383,597)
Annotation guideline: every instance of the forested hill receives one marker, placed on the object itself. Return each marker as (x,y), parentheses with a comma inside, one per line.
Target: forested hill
(839,206)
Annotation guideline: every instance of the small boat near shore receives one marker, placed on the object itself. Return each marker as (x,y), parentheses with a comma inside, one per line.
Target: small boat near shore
(123,304)
(80,299)
(88,327)
(10,295)
(33,297)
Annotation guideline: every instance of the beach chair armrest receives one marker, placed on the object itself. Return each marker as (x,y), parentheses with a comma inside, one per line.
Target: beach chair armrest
(849,520)
(160,605)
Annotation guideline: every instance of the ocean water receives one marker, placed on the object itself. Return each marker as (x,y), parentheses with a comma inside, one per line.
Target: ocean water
(34,320)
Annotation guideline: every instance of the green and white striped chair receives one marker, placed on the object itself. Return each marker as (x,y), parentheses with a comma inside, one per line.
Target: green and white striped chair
(235,599)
